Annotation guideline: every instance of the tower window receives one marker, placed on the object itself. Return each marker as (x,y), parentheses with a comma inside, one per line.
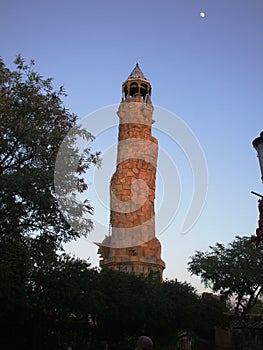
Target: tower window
(143,90)
(134,89)
(132,252)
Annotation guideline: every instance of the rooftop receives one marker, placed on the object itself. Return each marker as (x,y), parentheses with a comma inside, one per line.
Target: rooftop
(137,73)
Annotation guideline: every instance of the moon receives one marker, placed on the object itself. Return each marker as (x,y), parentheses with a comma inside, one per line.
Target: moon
(202,14)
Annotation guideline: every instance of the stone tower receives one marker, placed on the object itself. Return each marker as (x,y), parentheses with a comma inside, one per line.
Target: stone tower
(131,245)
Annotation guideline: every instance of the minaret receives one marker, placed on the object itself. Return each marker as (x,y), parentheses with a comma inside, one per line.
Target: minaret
(131,245)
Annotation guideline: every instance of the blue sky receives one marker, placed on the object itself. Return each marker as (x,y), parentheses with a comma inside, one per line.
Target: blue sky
(208,71)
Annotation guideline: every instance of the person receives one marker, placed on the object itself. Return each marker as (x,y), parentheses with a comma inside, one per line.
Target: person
(103,345)
(144,343)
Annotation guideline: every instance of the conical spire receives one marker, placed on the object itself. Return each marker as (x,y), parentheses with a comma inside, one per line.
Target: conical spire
(136,73)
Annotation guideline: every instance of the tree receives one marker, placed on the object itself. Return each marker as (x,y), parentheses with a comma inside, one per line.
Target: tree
(59,294)
(128,306)
(33,124)
(174,304)
(234,270)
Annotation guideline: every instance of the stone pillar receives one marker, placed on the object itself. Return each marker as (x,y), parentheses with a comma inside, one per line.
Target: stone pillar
(132,245)
(133,183)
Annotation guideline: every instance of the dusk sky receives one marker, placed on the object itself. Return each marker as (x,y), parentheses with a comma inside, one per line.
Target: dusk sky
(204,60)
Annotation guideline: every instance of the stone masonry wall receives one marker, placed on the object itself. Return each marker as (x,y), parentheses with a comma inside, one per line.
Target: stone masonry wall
(132,245)
(133,183)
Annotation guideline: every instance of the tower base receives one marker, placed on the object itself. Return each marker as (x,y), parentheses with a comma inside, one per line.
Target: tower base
(141,260)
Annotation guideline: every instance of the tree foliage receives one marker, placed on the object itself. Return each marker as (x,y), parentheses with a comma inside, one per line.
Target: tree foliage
(33,124)
(234,270)
(63,301)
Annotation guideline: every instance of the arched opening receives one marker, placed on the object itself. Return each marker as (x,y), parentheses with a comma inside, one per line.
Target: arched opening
(143,90)
(132,252)
(134,89)
(125,91)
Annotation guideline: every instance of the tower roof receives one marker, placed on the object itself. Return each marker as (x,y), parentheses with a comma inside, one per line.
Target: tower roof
(137,73)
